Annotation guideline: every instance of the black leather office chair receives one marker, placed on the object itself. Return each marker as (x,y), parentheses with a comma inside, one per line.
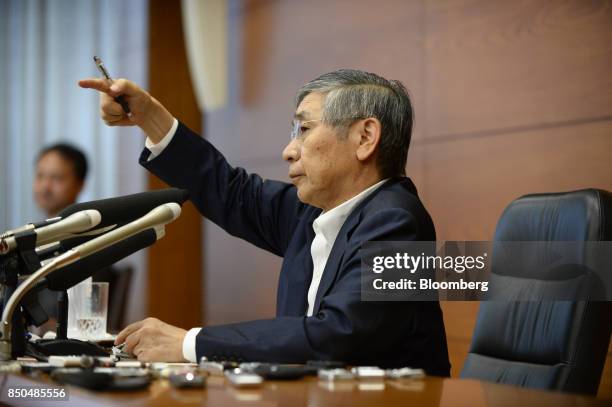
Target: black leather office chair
(555,345)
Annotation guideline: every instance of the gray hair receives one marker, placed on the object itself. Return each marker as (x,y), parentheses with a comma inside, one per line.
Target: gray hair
(352,95)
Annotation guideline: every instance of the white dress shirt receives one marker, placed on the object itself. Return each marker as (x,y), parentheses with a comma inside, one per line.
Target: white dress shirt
(326,227)
(156,149)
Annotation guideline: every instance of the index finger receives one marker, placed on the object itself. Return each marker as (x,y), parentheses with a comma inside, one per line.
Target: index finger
(98,84)
(127,331)
(114,88)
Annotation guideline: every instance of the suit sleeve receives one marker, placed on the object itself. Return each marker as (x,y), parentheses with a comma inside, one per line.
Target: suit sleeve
(345,328)
(262,212)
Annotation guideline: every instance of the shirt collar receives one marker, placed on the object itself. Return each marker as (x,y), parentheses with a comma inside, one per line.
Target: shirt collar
(329,223)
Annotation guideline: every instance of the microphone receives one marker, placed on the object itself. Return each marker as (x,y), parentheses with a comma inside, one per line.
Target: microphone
(76,272)
(159,216)
(75,223)
(29,226)
(114,211)
(123,209)
(56,248)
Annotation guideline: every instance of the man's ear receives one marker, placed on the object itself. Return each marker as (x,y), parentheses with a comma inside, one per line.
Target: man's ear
(80,186)
(369,137)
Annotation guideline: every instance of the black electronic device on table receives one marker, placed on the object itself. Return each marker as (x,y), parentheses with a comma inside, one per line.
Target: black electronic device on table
(100,381)
(186,380)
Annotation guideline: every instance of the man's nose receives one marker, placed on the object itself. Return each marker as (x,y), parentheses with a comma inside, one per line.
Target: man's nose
(292,151)
(43,184)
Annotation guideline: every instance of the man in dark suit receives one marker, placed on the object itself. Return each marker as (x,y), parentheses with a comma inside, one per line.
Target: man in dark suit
(347,158)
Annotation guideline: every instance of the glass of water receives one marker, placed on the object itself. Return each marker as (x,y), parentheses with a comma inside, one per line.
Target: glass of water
(87,310)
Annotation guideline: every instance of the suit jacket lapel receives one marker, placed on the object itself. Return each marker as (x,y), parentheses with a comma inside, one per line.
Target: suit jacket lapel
(339,247)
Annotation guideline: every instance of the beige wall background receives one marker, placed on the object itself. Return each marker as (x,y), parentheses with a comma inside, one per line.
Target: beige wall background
(510,98)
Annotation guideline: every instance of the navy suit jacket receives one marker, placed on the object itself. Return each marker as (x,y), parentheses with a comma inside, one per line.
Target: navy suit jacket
(270,215)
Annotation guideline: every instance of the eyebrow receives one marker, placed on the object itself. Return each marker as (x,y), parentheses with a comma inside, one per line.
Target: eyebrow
(301,115)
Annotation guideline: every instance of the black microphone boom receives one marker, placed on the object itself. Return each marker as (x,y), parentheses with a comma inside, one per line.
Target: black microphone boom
(123,209)
(86,267)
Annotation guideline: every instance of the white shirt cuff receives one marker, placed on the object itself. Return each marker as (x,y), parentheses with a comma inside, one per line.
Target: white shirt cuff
(189,345)
(156,149)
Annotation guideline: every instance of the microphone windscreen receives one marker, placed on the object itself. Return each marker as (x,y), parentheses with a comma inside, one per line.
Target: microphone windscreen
(69,276)
(123,209)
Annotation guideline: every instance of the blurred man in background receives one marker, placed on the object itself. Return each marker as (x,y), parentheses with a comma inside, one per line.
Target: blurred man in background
(60,175)
(61,170)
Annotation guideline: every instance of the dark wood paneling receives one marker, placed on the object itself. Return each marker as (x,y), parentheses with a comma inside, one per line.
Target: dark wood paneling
(470,182)
(501,64)
(459,321)
(510,98)
(605,387)
(174,263)
(282,44)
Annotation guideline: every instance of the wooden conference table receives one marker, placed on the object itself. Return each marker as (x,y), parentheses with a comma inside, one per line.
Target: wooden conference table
(431,391)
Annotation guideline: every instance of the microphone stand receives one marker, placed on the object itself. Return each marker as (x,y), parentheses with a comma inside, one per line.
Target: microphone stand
(62,316)
(62,345)
(21,262)
(12,328)
(6,347)
(156,218)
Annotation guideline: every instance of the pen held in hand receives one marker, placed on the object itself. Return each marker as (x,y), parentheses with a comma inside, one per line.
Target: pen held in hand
(119,99)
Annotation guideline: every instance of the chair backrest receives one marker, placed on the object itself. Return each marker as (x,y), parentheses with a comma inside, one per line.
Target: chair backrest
(555,345)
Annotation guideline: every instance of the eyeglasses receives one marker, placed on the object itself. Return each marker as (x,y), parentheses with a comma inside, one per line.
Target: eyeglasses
(298,129)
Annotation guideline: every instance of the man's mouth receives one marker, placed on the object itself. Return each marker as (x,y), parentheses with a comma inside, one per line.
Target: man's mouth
(295,177)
